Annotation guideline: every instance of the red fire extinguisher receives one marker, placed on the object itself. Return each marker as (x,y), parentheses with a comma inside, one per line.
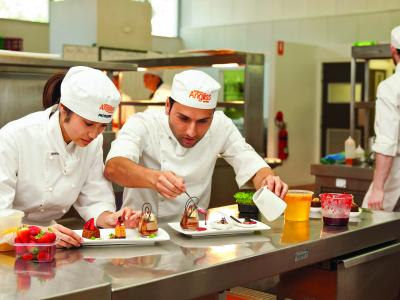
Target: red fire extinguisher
(283,149)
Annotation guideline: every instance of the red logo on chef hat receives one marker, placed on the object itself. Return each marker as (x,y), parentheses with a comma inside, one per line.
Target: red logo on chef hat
(200,96)
(107,108)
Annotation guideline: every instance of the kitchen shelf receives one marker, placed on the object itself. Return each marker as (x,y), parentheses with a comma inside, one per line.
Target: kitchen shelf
(253,65)
(235,104)
(29,64)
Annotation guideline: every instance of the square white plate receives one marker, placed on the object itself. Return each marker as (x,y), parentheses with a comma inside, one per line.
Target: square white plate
(211,231)
(132,238)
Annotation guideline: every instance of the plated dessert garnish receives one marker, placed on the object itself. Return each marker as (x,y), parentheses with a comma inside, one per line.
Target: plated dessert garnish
(249,221)
(190,217)
(221,224)
(120,231)
(90,230)
(148,222)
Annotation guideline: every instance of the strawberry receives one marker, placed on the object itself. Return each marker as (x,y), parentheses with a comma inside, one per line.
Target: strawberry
(27,256)
(23,235)
(89,225)
(45,237)
(34,230)
(43,256)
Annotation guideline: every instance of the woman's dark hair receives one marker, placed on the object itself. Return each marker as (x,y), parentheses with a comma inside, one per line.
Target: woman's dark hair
(52,90)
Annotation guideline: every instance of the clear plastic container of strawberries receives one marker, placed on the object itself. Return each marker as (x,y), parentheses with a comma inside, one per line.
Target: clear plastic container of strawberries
(36,244)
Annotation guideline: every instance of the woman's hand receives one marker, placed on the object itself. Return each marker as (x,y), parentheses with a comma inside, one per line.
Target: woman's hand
(66,238)
(131,218)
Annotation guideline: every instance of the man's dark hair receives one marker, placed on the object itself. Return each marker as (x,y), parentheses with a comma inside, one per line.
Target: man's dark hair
(171,103)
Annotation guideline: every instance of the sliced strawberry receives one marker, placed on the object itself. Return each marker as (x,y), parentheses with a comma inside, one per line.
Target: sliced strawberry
(92,227)
(23,235)
(89,225)
(34,230)
(27,256)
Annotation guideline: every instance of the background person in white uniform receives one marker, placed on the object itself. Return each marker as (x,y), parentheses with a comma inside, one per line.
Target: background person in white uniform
(53,159)
(384,191)
(157,156)
(160,91)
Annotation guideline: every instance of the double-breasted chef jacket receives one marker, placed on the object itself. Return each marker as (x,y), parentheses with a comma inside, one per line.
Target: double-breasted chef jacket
(387,131)
(43,176)
(147,140)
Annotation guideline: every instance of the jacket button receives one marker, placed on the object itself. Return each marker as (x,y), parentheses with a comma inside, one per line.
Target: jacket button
(41,210)
(73,186)
(50,189)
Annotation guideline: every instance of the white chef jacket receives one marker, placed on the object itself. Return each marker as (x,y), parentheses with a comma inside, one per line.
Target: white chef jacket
(43,176)
(162,92)
(147,139)
(387,124)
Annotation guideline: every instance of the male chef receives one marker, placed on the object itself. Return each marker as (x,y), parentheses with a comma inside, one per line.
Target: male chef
(158,156)
(384,192)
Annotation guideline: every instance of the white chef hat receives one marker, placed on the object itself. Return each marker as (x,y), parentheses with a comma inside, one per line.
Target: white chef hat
(395,37)
(90,94)
(195,89)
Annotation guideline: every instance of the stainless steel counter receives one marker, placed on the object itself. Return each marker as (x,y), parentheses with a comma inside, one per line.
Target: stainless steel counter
(190,267)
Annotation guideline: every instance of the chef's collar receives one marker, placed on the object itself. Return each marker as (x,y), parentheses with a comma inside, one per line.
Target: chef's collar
(397,69)
(67,154)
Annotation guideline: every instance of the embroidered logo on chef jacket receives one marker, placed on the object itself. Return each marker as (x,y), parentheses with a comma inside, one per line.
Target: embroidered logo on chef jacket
(200,96)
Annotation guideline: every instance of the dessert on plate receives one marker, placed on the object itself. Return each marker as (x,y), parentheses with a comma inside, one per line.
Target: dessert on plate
(148,222)
(90,230)
(120,231)
(190,217)
(221,224)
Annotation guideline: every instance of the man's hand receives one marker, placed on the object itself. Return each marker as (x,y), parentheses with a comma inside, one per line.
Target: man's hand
(168,184)
(375,200)
(66,238)
(276,185)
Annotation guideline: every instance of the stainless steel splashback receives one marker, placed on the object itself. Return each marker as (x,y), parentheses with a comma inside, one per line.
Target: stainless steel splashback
(20,94)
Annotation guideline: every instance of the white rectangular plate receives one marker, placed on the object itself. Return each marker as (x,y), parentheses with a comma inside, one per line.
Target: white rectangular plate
(132,238)
(211,231)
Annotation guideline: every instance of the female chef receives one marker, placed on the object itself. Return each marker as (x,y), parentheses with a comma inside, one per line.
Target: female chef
(53,159)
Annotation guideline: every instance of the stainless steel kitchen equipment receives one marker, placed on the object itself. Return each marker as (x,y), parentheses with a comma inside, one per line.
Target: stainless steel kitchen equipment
(184,268)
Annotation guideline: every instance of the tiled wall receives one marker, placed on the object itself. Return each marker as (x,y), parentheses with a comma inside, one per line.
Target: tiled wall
(255,25)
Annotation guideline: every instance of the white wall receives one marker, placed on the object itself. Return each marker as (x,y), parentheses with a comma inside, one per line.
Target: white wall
(72,22)
(35,35)
(329,27)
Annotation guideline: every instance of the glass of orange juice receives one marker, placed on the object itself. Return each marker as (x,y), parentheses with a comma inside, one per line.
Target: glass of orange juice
(298,205)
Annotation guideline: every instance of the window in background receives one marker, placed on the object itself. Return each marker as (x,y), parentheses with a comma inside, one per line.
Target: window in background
(164,21)
(26,10)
